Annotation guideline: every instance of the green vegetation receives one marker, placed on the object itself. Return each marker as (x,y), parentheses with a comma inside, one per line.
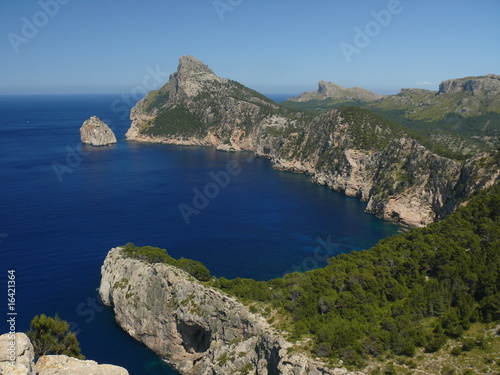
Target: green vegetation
(53,336)
(319,106)
(461,116)
(429,293)
(371,131)
(156,100)
(415,290)
(150,254)
(176,120)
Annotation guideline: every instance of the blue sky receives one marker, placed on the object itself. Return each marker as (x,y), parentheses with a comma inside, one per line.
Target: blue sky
(106,46)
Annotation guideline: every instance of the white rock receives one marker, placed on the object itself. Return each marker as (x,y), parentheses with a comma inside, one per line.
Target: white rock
(21,363)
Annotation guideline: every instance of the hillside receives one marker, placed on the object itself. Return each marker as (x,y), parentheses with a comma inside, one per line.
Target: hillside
(464,115)
(403,177)
(427,301)
(409,294)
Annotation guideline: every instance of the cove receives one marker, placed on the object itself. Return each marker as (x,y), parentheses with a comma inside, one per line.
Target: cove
(262,224)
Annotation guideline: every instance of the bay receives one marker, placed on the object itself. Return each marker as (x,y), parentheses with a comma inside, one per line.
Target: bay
(64,206)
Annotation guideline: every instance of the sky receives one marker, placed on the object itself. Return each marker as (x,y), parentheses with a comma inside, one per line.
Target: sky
(275,47)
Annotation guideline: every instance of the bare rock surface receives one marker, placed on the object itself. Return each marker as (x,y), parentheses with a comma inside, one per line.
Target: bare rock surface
(17,357)
(198,329)
(64,365)
(96,133)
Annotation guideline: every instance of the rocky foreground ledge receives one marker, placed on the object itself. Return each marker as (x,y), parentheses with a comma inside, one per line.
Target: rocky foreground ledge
(19,359)
(198,329)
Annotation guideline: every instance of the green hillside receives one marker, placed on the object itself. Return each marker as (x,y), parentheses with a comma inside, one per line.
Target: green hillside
(410,291)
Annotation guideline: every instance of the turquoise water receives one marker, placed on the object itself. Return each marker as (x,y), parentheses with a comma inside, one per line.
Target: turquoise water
(64,206)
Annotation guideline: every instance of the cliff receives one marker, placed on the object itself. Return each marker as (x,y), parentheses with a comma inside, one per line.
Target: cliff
(19,359)
(96,133)
(349,149)
(198,329)
(483,85)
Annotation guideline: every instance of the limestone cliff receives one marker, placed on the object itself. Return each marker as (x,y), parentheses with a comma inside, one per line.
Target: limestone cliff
(349,149)
(96,133)
(483,85)
(198,329)
(17,357)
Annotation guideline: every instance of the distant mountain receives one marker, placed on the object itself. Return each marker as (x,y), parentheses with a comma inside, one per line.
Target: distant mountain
(401,176)
(467,97)
(464,115)
(329,90)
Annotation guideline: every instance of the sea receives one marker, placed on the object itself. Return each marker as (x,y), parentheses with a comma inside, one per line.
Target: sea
(65,205)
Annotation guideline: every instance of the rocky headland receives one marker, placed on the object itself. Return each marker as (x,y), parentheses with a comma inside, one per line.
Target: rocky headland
(96,133)
(198,329)
(349,149)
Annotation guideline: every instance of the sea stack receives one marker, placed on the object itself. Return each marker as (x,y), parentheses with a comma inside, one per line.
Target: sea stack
(96,133)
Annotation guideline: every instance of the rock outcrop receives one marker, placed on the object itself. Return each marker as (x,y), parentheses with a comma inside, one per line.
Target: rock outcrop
(330,90)
(483,85)
(17,357)
(64,365)
(349,149)
(96,133)
(198,329)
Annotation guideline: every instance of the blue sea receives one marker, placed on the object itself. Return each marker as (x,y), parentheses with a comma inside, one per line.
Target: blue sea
(64,206)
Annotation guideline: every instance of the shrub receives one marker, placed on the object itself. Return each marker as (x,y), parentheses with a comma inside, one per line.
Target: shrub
(153,255)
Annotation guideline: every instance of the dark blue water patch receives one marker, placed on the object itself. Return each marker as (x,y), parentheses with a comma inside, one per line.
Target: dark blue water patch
(61,223)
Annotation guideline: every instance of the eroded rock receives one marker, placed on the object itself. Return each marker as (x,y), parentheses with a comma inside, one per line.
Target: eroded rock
(16,355)
(96,133)
(198,329)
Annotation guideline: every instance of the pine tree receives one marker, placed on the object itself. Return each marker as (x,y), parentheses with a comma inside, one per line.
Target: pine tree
(53,336)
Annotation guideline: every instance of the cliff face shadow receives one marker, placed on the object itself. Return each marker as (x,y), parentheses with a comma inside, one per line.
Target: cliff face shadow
(195,338)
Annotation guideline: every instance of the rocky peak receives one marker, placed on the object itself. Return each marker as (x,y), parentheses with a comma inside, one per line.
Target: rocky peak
(488,84)
(189,65)
(191,78)
(330,90)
